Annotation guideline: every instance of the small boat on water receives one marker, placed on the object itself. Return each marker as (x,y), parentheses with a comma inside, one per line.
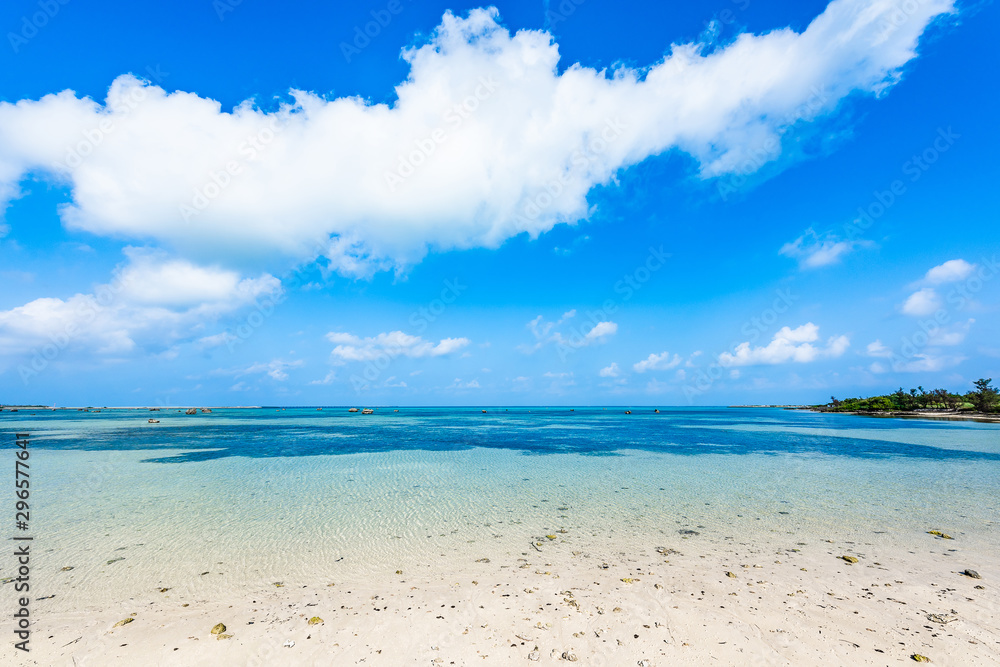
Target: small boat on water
(352,409)
(367,411)
(154,421)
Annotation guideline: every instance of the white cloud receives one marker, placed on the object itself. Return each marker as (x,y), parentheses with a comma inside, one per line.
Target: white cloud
(950,271)
(788,345)
(813,251)
(328,379)
(545,332)
(953,335)
(149,304)
(922,302)
(654,386)
(459,384)
(657,362)
(611,371)
(276,368)
(392,344)
(216,340)
(877,349)
(151,279)
(926,363)
(319,165)
(599,332)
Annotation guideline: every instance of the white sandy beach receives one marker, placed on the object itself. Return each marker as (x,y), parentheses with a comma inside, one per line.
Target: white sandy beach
(791,601)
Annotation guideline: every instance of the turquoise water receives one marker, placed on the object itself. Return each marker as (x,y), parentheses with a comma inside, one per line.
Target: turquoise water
(300,494)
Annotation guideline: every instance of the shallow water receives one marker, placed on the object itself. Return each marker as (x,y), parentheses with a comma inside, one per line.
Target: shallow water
(255,496)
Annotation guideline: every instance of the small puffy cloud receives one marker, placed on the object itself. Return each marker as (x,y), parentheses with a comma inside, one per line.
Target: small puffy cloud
(459,384)
(813,251)
(152,303)
(947,336)
(350,347)
(788,345)
(611,371)
(950,271)
(921,363)
(569,336)
(600,331)
(215,340)
(657,362)
(328,379)
(922,302)
(276,368)
(654,386)
(877,349)
(151,279)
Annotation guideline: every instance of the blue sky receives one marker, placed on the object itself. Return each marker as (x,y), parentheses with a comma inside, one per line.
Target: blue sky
(542,203)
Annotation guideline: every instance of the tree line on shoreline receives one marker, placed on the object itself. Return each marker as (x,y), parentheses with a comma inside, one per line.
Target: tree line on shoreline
(985,398)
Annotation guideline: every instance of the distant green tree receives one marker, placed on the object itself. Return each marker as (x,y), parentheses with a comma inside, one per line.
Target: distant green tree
(901,400)
(984,399)
(880,404)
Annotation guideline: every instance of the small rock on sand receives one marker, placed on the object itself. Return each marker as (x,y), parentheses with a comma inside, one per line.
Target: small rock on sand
(972,573)
(943,618)
(218,628)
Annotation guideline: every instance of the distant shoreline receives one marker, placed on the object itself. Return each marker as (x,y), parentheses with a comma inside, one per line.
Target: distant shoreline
(943,415)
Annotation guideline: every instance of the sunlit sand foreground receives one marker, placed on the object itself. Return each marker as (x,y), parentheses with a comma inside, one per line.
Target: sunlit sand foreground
(669,600)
